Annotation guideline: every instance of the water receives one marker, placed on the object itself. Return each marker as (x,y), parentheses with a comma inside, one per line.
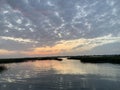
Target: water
(59,75)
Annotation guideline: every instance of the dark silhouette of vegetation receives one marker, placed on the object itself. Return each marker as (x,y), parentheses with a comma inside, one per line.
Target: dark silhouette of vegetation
(2,68)
(18,60)
(98,59)
(85,59)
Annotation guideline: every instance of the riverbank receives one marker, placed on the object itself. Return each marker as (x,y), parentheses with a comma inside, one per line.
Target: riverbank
(98,59)
(17,60)
(115,59)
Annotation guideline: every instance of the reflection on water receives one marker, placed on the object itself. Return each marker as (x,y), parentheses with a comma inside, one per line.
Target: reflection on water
(60,75)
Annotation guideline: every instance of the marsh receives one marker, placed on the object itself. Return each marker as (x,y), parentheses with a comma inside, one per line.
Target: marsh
(60,75)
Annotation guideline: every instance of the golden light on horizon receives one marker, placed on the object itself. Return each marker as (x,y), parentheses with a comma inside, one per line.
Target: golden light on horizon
(62,46)
(6,52)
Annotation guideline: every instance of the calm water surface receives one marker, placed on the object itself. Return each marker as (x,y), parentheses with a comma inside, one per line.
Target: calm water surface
(59,75)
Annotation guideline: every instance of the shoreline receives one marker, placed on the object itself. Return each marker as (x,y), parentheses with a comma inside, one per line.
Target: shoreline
(115,59)
(18,60)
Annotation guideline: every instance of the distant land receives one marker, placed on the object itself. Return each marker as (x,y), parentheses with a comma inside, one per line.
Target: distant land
(18,60)
(98,58)
(115,59)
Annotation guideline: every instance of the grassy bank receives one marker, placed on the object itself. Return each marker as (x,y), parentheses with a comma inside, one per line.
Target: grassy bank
(98,59)
(17,60)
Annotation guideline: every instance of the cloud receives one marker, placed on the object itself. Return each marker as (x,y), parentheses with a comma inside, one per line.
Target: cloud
(71,46)
(63,17)
(19,40)
(95,42)
(58,26)
(110,48)
(110,2)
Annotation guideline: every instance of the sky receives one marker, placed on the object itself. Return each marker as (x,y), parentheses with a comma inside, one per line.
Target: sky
(59,27)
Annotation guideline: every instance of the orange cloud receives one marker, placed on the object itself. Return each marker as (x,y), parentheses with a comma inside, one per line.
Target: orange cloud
(44,51)
(62,46)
